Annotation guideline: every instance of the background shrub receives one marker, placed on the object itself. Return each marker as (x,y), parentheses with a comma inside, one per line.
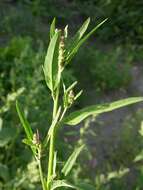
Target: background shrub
(105,69)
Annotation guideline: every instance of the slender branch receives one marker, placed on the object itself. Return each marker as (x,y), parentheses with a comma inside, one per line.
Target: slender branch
(56,103)
(51,148)
(65,109)
(40,171)
(50,163)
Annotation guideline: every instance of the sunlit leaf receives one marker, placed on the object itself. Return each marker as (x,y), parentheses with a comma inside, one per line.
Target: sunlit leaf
(52,28)
(61,183)
(71,160)
(71,86)
(24,122)
(78,94)
(139,157)
(51,63)
(77,116)
(80,42)
(79,35)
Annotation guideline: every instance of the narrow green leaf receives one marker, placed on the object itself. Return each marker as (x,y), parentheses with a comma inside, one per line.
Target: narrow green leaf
(77,116)
(79,35)
(61,183)
(24,122)
(82,30)
(75,49)
(71,160)
(71,86)
(78,95)
(52,28)
(51,63)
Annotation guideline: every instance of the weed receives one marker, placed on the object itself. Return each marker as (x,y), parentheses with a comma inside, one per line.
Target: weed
(59,54)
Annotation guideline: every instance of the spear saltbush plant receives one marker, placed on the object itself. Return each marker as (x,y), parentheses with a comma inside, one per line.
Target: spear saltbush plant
(59,54)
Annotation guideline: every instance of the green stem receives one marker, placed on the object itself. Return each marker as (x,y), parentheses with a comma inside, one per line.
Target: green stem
(56,104)
(50,164)
(51,148)
(65,109)
(41,173)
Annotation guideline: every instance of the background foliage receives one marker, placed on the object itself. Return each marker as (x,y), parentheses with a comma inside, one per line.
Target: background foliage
(24,28)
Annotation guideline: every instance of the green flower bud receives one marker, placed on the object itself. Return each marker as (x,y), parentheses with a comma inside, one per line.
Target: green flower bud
(36,138)
(70,97)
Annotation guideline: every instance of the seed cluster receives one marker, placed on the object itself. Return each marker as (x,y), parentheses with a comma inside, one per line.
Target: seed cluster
(61,57)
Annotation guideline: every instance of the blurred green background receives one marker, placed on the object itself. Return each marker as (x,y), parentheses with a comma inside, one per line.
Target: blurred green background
(108,67)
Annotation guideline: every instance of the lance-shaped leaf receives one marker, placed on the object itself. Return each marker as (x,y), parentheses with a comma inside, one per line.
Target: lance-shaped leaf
(77,116)
(81,41)
(78,35)
(50,67)
(27,128)
(71,160)
(52,28)
(61,183)
(24,122)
